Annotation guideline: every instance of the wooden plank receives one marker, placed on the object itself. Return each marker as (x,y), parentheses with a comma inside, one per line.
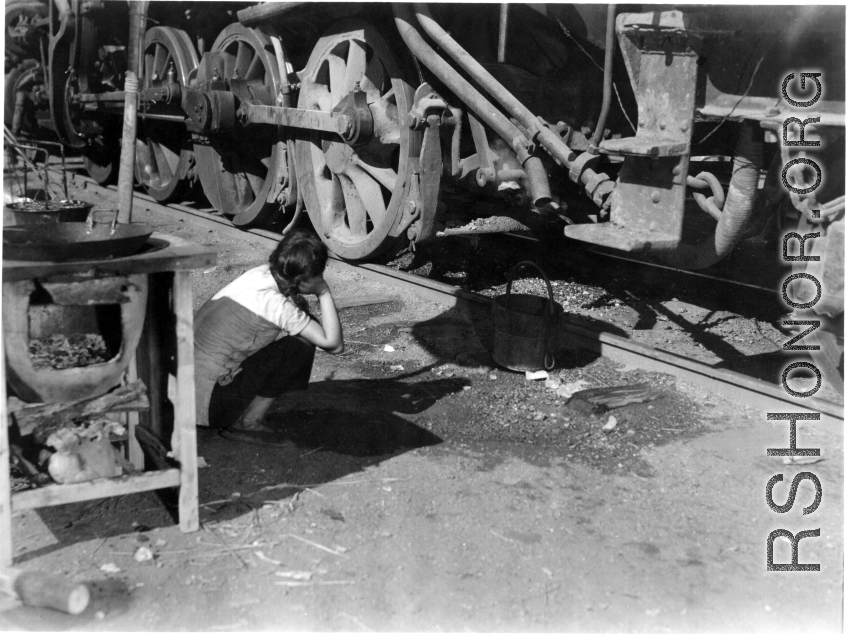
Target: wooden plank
(152,350)
(184,440)
(67,493)
(135,455)
(153,447)
(68,290)
(5,478)
(176,254)
(44,418)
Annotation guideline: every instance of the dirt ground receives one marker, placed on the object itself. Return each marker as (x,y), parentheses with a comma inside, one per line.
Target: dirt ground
(426,489)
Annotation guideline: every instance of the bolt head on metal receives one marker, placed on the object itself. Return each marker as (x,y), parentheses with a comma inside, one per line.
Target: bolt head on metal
(343,124)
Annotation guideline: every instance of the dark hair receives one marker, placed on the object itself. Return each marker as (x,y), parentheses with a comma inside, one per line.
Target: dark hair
(299,256)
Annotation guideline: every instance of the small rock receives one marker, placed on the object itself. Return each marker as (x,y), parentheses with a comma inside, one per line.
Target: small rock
(110,568)
(100,614)
(466,387)
(143,554)
(492,376)
(552,384)
(398,368)
(610,424)
(569,389)
(536,376)
(388,348)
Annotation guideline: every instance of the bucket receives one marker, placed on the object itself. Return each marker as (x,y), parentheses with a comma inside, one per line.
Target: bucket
(522,327)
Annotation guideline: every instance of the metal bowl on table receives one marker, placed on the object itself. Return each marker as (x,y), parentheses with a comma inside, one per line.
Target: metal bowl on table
(31,212)
(73,241)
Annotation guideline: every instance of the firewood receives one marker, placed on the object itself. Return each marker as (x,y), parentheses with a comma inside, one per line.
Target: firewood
(43,419)
(153,448)
(40,590)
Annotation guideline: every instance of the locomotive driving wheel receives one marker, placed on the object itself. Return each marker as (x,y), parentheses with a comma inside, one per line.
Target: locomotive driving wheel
(354,194)
(241,171)
(163,154)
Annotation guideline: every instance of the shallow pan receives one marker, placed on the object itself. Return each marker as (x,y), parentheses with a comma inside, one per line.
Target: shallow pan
(72,241)
(46,211)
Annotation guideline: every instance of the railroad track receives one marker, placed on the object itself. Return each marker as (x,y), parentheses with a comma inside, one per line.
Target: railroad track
(727,384)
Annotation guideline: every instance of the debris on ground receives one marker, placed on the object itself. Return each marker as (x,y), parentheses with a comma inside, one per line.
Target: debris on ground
(569,389)
(610,424)
(606,398)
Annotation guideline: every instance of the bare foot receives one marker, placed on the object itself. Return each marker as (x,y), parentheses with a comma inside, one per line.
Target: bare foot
(247,425)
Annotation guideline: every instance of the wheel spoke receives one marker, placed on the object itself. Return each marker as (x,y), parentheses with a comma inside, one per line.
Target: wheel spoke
(145,161)
(244,190)
(157,59)
(321,98)
(256,70)
(370,193)
(357,215)
(163,168)
(148,68)
(356,64)
(373,82)
(243,58)
(337,78)
(323,182)
(386,176)
(333,210)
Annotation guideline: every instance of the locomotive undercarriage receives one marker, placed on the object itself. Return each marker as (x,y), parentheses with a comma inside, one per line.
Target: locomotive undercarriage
(362,115)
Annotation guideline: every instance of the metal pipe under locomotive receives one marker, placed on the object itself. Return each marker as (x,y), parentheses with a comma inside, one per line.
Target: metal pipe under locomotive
(639,128)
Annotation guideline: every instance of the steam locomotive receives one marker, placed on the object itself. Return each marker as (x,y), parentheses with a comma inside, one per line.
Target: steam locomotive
(675,131)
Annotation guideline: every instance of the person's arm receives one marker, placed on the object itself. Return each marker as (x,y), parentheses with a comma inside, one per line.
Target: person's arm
(327,334)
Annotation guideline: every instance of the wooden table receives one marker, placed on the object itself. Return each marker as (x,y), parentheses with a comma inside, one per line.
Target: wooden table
(164,360)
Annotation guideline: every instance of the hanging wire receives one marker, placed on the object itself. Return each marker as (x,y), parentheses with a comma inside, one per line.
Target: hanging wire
(593,61)
(737,103)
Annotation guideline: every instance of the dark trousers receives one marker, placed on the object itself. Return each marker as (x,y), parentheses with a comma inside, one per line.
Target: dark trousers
(283,366)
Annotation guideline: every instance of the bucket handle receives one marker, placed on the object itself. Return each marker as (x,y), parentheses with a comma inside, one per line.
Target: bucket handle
(550,302)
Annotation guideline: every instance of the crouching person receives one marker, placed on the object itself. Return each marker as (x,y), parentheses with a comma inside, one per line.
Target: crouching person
(255,339)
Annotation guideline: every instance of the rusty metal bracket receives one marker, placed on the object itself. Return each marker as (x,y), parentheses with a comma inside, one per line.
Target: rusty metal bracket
(483,161)
(647,205)
(421,212)
(427,102)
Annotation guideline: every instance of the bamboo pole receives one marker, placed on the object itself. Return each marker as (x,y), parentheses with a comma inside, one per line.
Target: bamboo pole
(126,175)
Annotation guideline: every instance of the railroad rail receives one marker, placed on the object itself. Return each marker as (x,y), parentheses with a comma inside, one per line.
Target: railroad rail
(728,384)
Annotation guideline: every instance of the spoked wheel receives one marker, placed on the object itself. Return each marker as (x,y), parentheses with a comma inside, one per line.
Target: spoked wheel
(355,195)
(240,171)
(163,154)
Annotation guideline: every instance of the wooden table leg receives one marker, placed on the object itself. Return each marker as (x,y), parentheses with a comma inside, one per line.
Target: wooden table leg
(184,440)
(5,480)
(134,452)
